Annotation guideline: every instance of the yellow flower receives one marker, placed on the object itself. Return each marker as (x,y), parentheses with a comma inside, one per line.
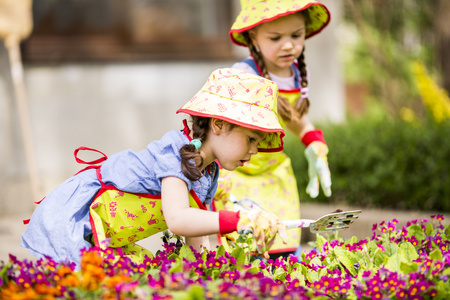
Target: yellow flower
(408,115)
(435,98)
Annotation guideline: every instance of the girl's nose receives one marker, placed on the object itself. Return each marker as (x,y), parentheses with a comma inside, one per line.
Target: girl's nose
(253,149)
(288,45)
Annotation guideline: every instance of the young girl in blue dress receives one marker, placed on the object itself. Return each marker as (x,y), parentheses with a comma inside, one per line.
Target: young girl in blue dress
(122,201)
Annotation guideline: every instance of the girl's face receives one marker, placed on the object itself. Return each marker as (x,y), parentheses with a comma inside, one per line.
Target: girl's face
(234,146)
(280,42)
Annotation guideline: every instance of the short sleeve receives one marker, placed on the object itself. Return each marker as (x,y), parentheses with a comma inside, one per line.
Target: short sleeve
(141,172)
(168,164)
(244,67)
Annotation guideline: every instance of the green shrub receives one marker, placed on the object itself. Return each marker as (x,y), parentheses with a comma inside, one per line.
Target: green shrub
(380,162)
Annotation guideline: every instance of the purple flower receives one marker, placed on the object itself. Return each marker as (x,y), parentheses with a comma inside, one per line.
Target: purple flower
(391,226)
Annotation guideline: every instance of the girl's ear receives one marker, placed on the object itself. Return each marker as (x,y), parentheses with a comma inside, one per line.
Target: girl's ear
(218,126)
(252,35)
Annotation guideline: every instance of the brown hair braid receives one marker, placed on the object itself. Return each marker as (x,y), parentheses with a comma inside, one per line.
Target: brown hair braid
(284,109)
(200,128)
(302,106)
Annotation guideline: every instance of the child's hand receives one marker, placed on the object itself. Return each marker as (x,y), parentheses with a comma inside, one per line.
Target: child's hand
(316,154)
(264,226)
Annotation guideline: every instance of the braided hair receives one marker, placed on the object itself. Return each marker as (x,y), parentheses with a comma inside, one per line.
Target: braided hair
(302,106)
(188,153)
(285,109)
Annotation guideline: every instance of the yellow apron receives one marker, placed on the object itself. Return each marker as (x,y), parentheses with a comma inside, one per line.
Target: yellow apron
(120,219)
(269,180)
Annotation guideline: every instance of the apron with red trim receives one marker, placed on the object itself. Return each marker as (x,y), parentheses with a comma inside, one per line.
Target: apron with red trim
(268,179)
(119,219)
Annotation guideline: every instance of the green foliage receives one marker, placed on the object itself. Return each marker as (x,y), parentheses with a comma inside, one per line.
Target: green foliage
(381,162)
(381,39)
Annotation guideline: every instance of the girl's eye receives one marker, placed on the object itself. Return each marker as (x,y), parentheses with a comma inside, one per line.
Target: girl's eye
(296,36)
(251,139)
(275,38)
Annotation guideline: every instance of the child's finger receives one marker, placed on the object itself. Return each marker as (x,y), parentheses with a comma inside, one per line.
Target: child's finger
(312,189)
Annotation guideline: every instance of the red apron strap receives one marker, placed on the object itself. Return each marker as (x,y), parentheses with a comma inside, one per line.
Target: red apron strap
(99,175)
(92,163)
(97,161)
(93,166)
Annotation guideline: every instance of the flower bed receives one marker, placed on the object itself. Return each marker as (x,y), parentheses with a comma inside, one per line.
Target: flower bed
(412,262)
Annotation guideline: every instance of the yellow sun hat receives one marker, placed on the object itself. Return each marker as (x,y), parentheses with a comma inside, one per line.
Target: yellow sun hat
(255,12)
(242,99)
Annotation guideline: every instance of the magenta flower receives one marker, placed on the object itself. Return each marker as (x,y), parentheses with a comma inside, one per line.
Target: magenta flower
(381,247)
(391,226)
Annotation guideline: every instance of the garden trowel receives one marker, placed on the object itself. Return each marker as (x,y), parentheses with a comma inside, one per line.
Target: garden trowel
(335,221)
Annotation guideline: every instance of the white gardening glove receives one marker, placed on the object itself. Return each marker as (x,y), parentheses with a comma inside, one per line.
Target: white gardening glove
(316,154)
(264,225)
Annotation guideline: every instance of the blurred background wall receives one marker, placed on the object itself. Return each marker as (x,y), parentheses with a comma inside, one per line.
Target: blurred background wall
(110,75)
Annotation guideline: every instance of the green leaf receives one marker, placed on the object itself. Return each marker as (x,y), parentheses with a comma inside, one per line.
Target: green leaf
(391,248)
(239,254)
(154,273)
(196,292)
(312,276)
(346,258)
(254,269)
(316,261)
(380,259)
(204,255)
(279,274)
(443,289)
(215,274)
(320,241)
(176,266)
(186,252)
(3,272)
(304,270)
(408,268)
(447,230)
(173,256)
(436,255)
(322,272)
(429,229)
(417,231)
(406,254)
(220,251)
(351,240)
(297,274)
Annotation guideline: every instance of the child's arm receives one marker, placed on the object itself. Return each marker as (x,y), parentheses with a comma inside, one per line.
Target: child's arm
(195,223)
(198,242)
(316,154)
(182,219)
(300,126)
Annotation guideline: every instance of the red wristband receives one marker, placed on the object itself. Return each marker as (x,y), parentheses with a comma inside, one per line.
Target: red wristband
(228,221)
(312,136)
